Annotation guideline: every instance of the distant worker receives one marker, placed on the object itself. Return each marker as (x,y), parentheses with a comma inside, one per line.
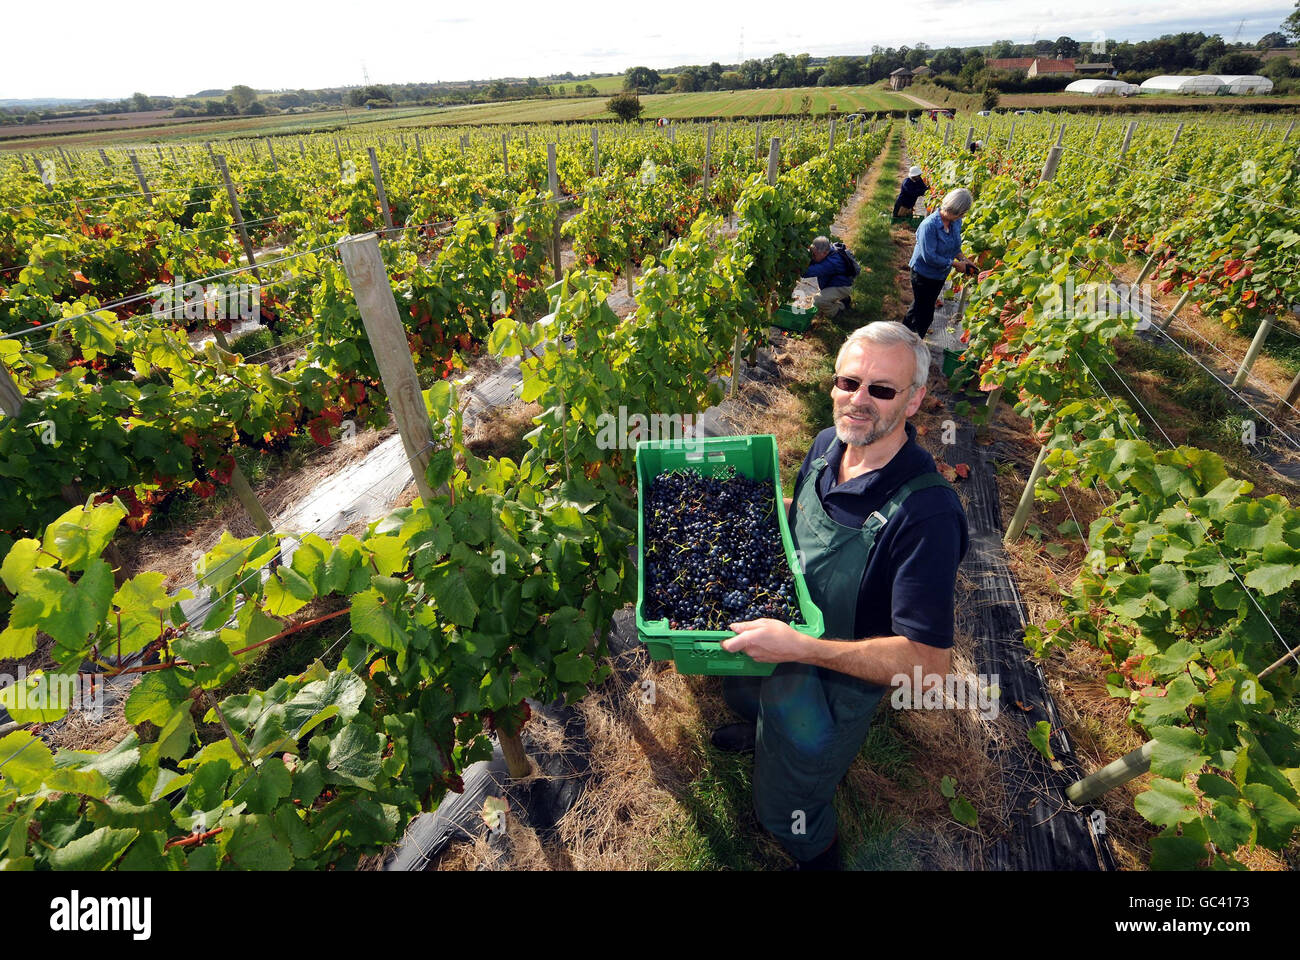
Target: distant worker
(976,146)
(937,251)
(834,268)
(913,189)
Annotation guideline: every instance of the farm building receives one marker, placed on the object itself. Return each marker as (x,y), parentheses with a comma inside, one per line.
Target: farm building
(1204,84)
(1103,88)
(900,78)
(1245,84)
(1033,66)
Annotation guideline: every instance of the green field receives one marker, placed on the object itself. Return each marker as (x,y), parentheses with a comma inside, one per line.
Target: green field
(676,106)
(682,106)
(742,103)
(605,85)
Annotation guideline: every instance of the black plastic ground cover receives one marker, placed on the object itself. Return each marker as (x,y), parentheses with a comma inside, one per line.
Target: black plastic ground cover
(1048,831)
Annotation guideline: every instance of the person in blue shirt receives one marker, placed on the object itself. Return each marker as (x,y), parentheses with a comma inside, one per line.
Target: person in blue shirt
(834,277)
(879,536)
(911,190)
(937,251)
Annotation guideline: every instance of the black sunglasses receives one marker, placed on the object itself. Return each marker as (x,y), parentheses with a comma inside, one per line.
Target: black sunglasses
(877,390)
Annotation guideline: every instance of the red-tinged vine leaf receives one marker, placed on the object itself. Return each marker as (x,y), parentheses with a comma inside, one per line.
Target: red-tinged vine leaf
(224,469)
(962,470)
(1024,708)
(947,472)
(318,427)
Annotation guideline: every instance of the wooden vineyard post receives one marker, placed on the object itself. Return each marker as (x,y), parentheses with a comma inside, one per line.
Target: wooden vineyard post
(1292,394)
(773,161)
(1287,136)
(1128,138)
(252,145)
(239,225)
(1252,353)
(595,151)
(1173,143)
(1182,302)
(103,156)
(512,748)
(252,506)
(1145,271)
(830,144)
(1097,130)
(364,266)
(1060,137)
(505,154)
(758,140)
(970,138)
(11,400)
(553,181)
(379,188)
(139,175)
(1011,134)
(275,166)
(1021,516)
(708,160)
(1053,160)
(67,164)
(419,148)
(947,133)
(338,152)
(1120,771)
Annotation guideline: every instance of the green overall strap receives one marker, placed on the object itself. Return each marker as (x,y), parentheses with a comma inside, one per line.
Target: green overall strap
(876,522)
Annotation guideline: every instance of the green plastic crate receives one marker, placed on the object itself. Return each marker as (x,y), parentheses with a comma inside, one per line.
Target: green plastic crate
(700,651)
(787,318)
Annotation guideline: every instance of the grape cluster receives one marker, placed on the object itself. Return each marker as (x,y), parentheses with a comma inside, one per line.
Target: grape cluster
(713,552)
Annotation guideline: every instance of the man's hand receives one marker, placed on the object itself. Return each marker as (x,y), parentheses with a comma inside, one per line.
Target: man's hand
(767,640)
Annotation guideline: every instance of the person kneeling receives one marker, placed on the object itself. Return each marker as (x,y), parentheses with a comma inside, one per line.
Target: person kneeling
(834,271)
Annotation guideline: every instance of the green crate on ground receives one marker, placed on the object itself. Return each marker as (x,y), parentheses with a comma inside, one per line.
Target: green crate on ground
(787,318)
(953,364)
(700,651)
(951,361)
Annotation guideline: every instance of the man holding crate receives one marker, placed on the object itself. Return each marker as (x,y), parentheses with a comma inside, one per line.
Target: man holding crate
(880,536)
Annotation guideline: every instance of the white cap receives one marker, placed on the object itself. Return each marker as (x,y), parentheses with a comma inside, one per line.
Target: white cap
(914,172)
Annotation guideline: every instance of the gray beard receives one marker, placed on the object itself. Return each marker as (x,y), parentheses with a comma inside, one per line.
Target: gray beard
(875,433)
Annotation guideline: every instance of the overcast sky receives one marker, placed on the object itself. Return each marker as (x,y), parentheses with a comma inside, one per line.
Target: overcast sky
(79,49)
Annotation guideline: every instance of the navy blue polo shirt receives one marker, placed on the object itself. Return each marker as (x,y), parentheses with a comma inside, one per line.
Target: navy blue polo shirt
(909,584)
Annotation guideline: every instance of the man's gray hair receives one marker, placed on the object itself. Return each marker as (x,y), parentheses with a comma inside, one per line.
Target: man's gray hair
(888,333)
(958,201)
(821,245)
